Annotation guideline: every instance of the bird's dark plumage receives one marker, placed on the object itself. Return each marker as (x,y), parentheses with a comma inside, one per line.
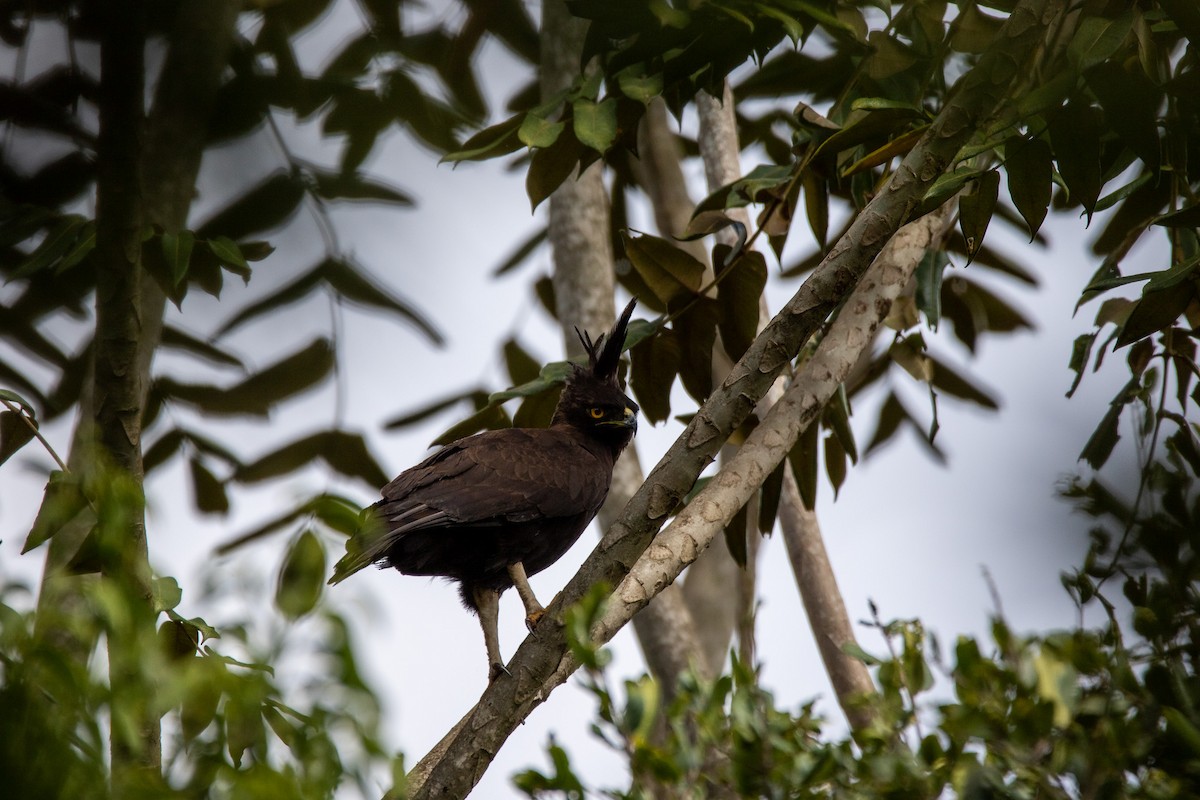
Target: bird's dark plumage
(490,509)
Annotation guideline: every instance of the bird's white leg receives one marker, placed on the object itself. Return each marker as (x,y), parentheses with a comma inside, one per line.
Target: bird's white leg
(533,609)
(487,602)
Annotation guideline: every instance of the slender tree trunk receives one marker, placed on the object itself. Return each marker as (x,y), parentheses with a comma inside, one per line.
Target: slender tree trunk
(117,385)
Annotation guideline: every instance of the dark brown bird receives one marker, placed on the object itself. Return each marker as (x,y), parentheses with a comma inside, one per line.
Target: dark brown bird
(491,509)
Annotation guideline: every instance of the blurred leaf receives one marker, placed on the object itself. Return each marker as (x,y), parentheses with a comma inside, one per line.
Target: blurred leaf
(63,505)
(345,453)
(178,339)
(302,576)
(521,366)
(738,296)
(952,383)
(208,490)
(167,594)
(521,253)
(1102,441)
(343,186)
(264,207)
(258,393)
(56,244)
(1030,172)
(478,396)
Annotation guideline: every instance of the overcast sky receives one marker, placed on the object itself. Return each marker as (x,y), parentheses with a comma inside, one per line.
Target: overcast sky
(905,531)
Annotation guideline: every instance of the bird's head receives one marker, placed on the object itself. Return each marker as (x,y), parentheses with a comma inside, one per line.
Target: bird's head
(592,399)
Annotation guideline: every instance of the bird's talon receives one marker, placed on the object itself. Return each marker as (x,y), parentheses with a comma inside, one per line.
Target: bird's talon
(496,670)
(533,618)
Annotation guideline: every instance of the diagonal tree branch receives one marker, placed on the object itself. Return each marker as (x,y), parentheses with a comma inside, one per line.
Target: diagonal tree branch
(543,661)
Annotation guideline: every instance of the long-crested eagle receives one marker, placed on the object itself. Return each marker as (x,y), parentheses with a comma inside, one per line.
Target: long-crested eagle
(491,509)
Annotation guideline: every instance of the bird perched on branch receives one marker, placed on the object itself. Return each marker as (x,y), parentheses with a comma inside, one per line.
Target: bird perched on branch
(491,509)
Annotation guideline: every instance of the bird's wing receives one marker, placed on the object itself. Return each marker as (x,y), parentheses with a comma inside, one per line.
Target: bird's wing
(510,475)
(492,478)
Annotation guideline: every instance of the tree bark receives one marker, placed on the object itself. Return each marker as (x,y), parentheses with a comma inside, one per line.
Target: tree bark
(543,660)
(117,385)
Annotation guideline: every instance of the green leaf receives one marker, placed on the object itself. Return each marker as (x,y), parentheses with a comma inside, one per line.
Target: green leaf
(595,123)
(15,433)
(167,594)
(1081,353)
(1097,38)
(669,271)
(538,132)
(636,84)
(835,463)
(975,211)
(177,252)
(57,243)
(738,296)
(230,255)
(929,285)
(1155,311)
(302,577)
(64,507)
(493,142)
(1030,176)
(551,166)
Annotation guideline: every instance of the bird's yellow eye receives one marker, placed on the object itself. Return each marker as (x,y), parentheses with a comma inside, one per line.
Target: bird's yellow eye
(596,413)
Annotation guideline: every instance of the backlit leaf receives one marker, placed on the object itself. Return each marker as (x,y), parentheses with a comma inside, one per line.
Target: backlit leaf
(302,576)
(668,271)
(538,132)
(975,211)
(738,296)
(696,332)
(15,433)
(1030,172)
(929,285)
(595,123)
(1075,132)
(654,365)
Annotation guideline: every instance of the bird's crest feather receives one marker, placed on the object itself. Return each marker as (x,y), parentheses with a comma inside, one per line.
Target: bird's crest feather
(604,354)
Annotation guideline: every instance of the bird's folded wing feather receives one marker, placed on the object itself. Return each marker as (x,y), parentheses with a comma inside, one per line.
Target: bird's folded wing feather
(493,478)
